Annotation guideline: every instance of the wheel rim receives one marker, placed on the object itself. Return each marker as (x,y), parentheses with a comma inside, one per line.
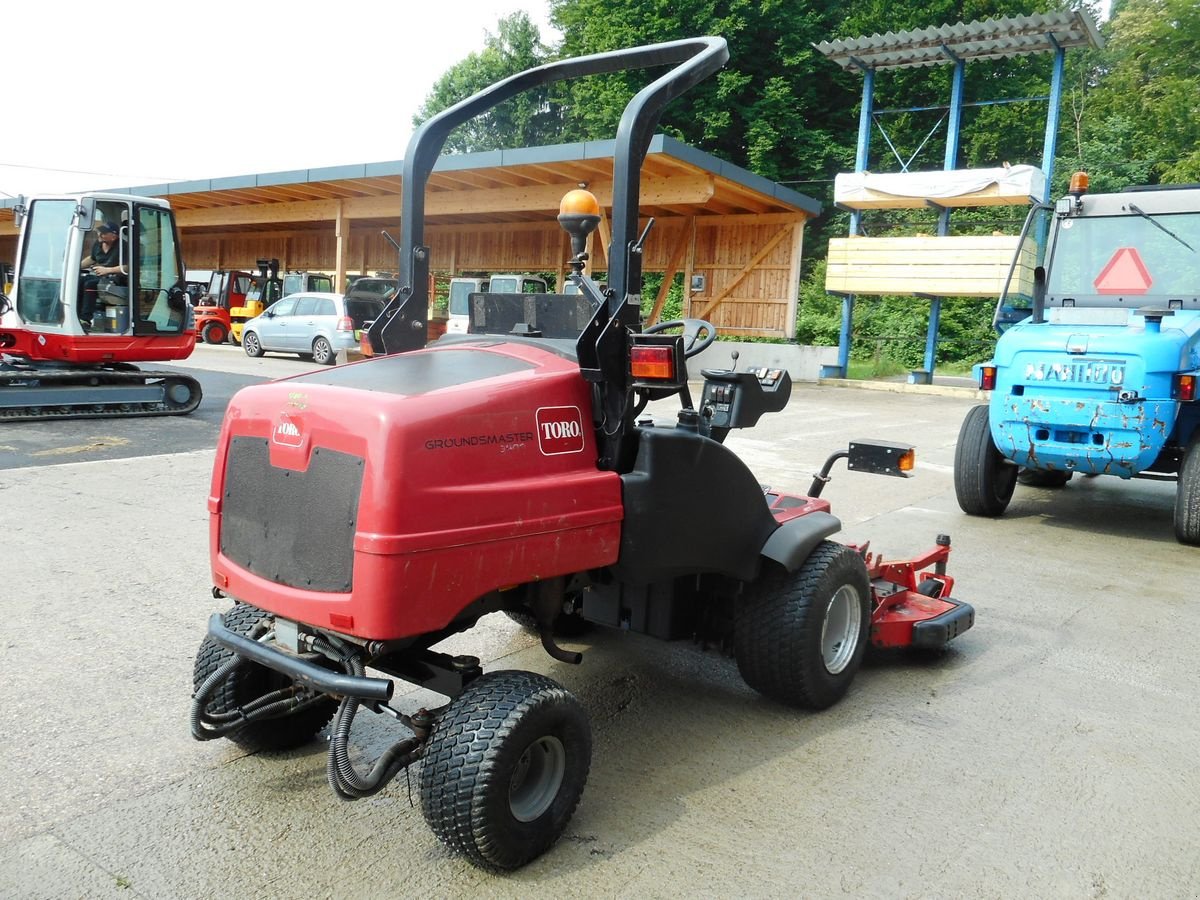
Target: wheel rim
(321,351)
(537,778)
(840,630)
(251,343)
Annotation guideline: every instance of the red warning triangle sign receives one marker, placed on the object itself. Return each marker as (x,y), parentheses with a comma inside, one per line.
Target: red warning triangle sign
(1124,274)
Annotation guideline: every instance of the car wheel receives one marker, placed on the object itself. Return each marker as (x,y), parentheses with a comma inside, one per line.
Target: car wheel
(983,479)
(1187,496)
(251,345)
(505,767)
(250,681)
(322,352)
(214,333)
(799,637)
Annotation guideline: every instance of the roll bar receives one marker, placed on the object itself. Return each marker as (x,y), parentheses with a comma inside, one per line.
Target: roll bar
(402,324)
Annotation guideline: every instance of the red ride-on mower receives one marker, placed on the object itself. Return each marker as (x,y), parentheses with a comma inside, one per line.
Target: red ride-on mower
(361,515)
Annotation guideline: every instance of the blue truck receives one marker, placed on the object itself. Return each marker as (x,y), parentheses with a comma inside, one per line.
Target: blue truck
(1101,377)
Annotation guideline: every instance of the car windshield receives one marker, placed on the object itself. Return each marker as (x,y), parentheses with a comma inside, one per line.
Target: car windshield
(363,309)
(1103,258)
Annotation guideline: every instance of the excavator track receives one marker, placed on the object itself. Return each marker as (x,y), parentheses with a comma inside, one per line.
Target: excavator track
(30,393)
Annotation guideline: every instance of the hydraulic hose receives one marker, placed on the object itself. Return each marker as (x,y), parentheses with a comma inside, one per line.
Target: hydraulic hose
(345,780)
(206,726)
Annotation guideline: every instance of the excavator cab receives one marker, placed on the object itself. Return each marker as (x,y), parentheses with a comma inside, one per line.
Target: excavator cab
(141,314)
(78,314)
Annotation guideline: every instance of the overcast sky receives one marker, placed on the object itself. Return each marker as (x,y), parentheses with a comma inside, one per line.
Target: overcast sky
(157,91)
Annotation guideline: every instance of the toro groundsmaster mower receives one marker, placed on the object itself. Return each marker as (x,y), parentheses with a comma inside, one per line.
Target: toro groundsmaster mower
(363,514)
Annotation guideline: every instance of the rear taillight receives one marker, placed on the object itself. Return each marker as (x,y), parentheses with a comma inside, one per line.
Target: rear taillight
(652,363)
(345,323)
(1183,387)
(987,378)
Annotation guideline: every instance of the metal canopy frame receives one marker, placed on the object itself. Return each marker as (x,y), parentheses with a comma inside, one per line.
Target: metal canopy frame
(1004,38)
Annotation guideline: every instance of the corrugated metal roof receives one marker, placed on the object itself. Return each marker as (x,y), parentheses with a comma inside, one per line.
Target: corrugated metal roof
(981,39)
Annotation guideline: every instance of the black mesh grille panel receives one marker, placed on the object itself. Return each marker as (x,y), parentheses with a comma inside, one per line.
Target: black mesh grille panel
(294,528)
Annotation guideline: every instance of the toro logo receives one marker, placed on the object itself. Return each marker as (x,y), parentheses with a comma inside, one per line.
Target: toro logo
(559,430)
(287,431)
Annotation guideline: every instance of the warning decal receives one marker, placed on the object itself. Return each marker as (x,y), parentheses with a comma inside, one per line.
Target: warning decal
(1124,274)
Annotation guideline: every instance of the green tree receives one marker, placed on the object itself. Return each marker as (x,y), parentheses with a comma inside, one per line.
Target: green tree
(774,109)
(1137,101)
(529,119)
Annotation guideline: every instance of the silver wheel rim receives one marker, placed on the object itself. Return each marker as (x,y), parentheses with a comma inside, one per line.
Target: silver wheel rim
(840,630)
(537,778)
(251,343)
(321,351)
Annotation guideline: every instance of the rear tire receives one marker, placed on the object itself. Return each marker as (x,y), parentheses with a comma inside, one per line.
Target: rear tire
(1187,496)
(983,479)
(799,637)
(214,333)
(251,345)
(505,767)
(322,352)
(250,681)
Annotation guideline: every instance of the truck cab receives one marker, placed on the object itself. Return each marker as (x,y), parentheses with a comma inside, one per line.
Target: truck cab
(1100,379)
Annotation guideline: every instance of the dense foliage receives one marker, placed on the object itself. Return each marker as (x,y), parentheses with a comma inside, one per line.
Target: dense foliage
(1131,114)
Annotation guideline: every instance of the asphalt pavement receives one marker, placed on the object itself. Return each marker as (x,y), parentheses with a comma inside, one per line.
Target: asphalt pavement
(1049,753)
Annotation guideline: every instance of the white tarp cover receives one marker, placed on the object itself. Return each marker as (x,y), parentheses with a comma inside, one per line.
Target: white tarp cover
(1024,181)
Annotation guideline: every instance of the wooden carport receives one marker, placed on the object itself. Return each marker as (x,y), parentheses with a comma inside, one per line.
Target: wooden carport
(737,238)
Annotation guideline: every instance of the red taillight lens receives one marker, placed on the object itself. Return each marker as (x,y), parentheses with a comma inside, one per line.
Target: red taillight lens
(345,323)
(1184,387)
(652,363)
(987,378)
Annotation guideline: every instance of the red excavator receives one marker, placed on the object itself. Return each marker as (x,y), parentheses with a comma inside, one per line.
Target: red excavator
(361,515)
(72,329)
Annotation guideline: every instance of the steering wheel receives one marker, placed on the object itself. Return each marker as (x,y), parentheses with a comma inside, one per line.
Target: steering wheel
(693,343)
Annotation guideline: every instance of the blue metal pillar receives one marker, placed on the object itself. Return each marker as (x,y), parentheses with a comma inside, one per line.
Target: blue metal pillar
(862,154)
(953,133)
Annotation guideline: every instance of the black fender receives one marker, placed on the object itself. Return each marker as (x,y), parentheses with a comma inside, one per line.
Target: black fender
(791,543)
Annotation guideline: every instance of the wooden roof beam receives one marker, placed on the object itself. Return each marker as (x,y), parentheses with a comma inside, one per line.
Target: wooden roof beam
(696,189)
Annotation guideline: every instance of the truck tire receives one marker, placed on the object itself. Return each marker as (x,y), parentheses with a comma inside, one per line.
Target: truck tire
(983,479)
(251,681)
(799,637)
(1044,478)
(505,767)
(1187,496)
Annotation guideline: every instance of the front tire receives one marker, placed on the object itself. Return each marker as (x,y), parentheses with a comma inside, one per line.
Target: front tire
(214,333)
(251,681)
(983,479)
(505,767)
(251,345)
(1187,496)
(799,637)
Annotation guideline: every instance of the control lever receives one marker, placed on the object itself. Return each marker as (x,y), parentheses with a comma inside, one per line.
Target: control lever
(637,245)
